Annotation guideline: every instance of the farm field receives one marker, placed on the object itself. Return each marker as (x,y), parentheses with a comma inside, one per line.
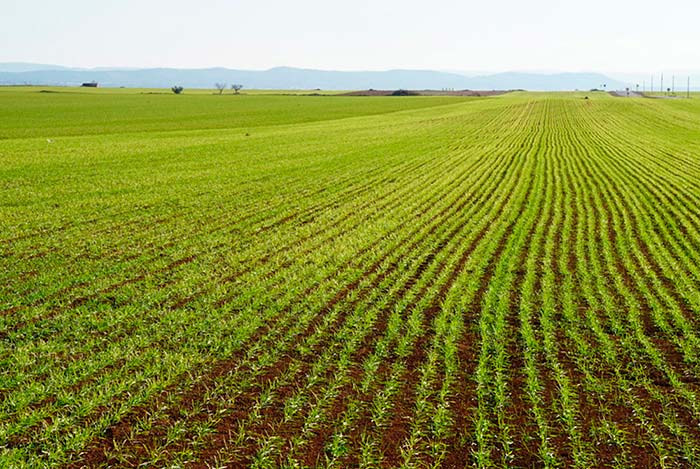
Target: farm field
(302,281)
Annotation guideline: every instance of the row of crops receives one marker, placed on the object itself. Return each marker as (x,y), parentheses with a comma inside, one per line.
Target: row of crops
(498,282)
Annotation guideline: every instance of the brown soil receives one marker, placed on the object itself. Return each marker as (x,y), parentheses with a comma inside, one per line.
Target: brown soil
(97,452)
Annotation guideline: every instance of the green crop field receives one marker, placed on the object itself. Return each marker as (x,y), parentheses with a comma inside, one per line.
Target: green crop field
(324,281)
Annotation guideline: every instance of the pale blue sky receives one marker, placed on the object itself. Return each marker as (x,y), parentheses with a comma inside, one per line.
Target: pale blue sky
(494,35)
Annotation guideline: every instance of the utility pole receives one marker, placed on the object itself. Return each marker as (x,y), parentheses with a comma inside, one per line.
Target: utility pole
(662,83)
(644,86)
(673,84)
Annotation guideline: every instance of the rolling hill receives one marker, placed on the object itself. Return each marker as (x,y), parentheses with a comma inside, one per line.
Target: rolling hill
(298,78)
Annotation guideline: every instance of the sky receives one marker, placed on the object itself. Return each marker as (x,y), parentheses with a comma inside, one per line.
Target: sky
(456,35)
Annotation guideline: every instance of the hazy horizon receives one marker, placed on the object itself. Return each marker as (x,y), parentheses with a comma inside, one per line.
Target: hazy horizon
(487,38)
(622,76)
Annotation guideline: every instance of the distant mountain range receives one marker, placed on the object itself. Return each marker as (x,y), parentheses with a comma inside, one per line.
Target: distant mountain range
(297,78)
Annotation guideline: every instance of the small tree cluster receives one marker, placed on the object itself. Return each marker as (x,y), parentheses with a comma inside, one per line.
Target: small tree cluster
(177,89)
(222,86)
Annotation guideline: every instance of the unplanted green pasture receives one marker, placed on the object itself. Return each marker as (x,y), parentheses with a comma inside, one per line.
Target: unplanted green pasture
(301,281)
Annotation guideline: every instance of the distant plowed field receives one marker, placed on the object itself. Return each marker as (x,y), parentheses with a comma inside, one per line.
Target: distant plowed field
(283,281)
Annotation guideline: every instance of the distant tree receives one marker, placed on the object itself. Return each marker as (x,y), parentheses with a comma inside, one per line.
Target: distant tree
(236,88)
(402,92)
(177,89)
(220,86)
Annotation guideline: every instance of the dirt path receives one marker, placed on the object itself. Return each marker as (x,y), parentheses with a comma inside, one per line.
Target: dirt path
(626,94)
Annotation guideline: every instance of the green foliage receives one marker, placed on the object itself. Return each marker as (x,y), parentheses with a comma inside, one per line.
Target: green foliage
(304,281)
